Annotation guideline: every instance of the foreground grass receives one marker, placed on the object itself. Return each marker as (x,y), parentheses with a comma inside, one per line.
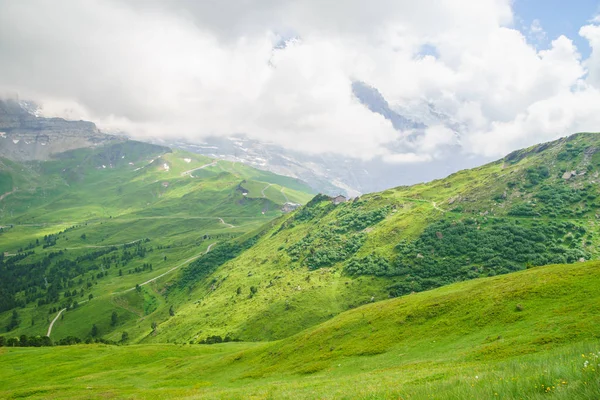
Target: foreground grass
(528,335)
(170,371)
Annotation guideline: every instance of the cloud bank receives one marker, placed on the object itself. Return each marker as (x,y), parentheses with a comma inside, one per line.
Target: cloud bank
(281,71)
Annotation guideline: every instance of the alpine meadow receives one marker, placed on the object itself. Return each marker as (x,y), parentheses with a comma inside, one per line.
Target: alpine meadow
(300,200)
(167,274)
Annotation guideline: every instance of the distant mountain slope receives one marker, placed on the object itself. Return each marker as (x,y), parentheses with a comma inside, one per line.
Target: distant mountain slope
(331,174)
(536,206)
(99,221)
(25,136)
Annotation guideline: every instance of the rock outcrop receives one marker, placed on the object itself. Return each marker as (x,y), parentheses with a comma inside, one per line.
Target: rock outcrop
(24,136)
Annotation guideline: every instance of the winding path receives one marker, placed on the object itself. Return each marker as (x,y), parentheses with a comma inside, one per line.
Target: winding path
(225,223)
(142,284)
(189,172)
(58,315)
(102,247)
(171,270)
(265,188)
(8,194)
(53,321)
(436,207)
(284,195)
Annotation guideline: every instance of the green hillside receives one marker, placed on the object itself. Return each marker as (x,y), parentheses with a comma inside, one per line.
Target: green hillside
(324,259)
(407,293)
(96,222)
(531,334)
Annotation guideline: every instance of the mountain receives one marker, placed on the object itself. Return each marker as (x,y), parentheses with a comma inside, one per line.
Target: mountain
(435,285)
(100,220)
(25,136)
(536,206)
(270,275)
(331,174)
(374,101)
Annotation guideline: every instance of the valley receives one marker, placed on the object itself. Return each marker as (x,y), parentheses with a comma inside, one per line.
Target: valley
(185,272)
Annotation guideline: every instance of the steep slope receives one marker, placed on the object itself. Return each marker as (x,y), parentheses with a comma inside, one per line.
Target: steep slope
(531,334)
(534,207)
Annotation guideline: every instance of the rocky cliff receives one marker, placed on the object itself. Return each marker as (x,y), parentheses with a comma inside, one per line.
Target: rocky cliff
(24,136)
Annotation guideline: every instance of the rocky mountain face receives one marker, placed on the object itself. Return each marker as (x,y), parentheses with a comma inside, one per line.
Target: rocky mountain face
(25,136)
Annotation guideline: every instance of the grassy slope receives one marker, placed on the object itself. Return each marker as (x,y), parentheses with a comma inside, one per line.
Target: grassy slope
(523,335)
(290,297)
(179,212)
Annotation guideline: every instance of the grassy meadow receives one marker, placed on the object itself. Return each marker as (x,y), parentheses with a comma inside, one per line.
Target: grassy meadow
(527,335)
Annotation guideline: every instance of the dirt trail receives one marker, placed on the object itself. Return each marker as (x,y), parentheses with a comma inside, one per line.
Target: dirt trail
(133,288)
(53,321)
(225,223)
(265,188)
(436,207)
(189,172)
(56,318)
(102,247)
(171,270)
(8,194)
(284,195)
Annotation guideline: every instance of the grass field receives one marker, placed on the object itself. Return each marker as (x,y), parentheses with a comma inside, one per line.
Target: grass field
(527,335)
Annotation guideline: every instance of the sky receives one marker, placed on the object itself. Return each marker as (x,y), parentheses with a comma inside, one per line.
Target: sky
(481,78)
(556,17)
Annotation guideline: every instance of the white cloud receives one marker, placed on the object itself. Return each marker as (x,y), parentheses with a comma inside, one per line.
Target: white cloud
(188,68)
(536,31)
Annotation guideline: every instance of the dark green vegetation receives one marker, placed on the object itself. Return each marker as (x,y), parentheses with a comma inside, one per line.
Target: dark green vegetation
(532,334)
(305,280)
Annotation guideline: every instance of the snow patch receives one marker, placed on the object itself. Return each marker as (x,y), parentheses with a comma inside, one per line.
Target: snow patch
(104,166)
(3,134)
(15,141)
(130,163)
(166,166)
(187,160)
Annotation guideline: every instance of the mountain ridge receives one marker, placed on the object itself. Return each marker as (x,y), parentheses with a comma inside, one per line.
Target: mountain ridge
(25,136)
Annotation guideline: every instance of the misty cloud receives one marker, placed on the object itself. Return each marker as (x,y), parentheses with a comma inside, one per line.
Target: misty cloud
(215,68)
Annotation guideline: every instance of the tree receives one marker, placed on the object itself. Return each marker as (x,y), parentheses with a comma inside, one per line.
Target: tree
(113,318)
(14,321)
(124,337)
(94,331)
(2,341)
(138,288)
(120,272)
(171,311)
(154,326)
(90,297)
